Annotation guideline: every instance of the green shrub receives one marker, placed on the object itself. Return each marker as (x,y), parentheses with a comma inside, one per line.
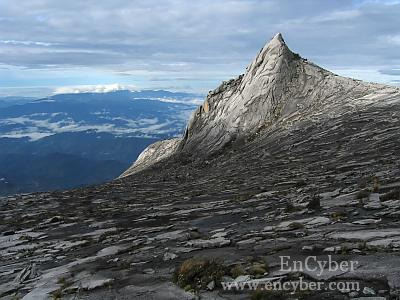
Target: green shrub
(338,215)
(237,270)
(258,269)
(197,272)
(363,194)
(296,225)
(315,203)
(290,208)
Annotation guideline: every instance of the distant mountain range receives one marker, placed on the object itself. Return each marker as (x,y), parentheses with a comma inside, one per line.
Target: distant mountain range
(70,140)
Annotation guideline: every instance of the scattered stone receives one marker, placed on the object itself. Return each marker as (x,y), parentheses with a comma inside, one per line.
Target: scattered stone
(368,291)
(298,224)
(211,243)
(353,294)
(227,279)
(112,250)
(364,235)
(179,235)
(356,251)
(67,245)
(27,273)
(268,228)
(367,221)
(242,278)
(328,195)
(308,248)
(340,201)
(149,271)
(245,244)
(385,243)
(139,263)
(335,249)
(220,234)
(211,285)
(55,219)
(156,291)
(373,202)
(96,283)
(169,256)
(318,221)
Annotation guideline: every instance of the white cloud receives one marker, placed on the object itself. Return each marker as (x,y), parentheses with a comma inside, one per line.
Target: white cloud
(101,88)
(33,136)
(337,16)
(370,75)
(36,129)
(194,101)
(27,43)
(201,42)
(393,39)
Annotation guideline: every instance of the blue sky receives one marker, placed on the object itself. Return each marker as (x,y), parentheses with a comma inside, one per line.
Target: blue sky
(49,46)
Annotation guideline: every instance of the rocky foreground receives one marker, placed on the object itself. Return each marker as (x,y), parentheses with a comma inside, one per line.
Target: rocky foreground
(318,182)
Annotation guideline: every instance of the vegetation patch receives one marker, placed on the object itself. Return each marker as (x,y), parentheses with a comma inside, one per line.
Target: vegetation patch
(57,295)
(237,271)
(338,215)
(296,225)
(371,183)
(258,269)
(290,208)
(196,273)
(363,194)
(315,203)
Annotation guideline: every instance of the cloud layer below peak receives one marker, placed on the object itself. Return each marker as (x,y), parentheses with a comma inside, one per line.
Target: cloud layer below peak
(101,88)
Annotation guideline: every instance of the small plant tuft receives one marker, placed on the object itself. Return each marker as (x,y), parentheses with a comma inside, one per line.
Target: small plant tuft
(363,194)
(315,203)
(197,272)
(237,270)
(338,215)
(57,295)
(290,208)
(296,225)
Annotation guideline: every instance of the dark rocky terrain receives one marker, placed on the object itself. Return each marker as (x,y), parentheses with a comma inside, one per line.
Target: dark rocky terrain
(320,176)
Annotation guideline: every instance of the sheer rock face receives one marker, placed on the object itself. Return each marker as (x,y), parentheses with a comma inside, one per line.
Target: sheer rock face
(242,105)
(276,85)
(278,88)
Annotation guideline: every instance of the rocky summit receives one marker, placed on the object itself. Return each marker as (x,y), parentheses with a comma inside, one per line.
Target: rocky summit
(288,174)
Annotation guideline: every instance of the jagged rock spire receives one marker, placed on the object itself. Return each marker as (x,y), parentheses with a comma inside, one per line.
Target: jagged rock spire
(272,52)
(243,104)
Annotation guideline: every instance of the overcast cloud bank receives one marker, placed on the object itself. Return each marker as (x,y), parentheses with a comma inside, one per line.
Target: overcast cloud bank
(187,45)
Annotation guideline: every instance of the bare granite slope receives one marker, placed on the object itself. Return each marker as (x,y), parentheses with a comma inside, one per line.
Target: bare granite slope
(277,86)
